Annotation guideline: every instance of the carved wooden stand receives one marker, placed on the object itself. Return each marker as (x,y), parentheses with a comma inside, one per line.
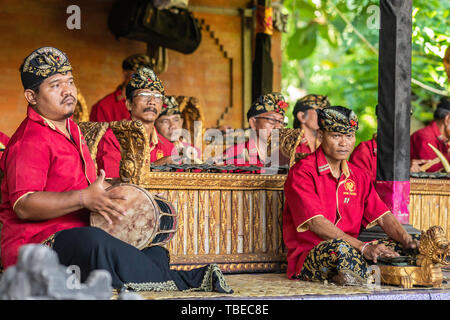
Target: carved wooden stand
(434,251)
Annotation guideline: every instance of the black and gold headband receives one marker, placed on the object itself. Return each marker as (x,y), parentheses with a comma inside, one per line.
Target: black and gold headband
(144,78)
(170,106)
(337,119)
(269,102)
(135,61)
(41,64)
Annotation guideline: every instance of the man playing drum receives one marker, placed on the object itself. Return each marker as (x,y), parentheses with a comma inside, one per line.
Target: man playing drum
(145,94)
(50,187)
(327,201)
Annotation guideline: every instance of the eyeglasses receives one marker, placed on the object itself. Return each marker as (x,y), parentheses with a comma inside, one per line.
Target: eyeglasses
(273,121)
(147,96)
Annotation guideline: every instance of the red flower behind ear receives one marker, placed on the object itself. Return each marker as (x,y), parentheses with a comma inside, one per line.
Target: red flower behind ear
(353,123)
(282,104)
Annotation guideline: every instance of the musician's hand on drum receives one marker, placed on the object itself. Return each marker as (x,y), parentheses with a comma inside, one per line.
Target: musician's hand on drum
(96,199)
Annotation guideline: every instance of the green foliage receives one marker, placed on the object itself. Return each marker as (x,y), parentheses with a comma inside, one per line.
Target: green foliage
(331,48)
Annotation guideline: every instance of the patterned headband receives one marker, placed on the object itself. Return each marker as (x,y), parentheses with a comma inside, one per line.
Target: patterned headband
(41,64)
(311,101)
(135,61)
(269,102)
(337,119)
(144,78)
(170,106)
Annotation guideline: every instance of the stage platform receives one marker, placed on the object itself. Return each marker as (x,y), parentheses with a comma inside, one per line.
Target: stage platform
(275,286)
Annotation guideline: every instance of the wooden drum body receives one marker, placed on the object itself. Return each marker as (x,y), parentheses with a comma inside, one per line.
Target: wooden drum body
(150,220)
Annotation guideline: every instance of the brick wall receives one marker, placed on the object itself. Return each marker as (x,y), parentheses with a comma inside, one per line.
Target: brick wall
(96,56)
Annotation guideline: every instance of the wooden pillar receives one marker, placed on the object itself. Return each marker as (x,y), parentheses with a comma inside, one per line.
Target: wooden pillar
(394,106)
(262,71)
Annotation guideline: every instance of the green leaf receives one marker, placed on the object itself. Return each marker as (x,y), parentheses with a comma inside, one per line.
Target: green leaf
(303,42)
(329,33)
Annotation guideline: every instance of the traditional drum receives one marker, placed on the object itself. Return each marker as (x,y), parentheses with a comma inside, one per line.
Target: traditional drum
(150,220)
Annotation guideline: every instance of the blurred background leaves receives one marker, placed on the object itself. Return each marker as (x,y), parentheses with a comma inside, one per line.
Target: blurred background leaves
(331,48)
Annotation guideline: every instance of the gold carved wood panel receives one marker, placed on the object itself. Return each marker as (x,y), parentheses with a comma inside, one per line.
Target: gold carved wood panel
(430,204)
(239,229)
(235,220)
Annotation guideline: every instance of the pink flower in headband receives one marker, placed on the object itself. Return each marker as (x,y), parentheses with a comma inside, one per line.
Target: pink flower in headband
(282,104)
(353,123)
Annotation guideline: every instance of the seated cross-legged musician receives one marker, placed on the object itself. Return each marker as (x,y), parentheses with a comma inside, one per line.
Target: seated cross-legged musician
(305,117)
(50,187)
(265,114)
(169,121)
(437,133)
(113,107)
(327,201)
(145,94)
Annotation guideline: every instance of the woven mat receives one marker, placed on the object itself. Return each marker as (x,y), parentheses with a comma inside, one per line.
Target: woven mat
(275,285)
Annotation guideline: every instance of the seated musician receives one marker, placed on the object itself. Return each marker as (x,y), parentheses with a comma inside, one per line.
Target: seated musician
(113,107)
(327,201)
(305,117)
(265,114)
(50,187)
(169,121)
(145,94)
(4,139)
(437,133)
(365,157)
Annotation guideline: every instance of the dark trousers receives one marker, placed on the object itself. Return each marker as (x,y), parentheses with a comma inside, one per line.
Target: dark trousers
(328,257)
(91,248)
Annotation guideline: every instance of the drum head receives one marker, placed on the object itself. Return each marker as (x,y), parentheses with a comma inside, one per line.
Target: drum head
(139,225)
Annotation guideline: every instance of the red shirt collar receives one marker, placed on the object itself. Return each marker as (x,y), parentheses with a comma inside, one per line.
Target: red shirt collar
(36,117)
(324,168)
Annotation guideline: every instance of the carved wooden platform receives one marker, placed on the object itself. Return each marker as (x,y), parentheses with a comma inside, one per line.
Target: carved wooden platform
(233,220)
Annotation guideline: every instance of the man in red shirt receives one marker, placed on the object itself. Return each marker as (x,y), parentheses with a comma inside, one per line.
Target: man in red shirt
(305,117)
(113,107)
(50,186)
(171,120)
(266,114)
(437,133)
(48,173)
(327,201)
(365,157)
(145,94)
